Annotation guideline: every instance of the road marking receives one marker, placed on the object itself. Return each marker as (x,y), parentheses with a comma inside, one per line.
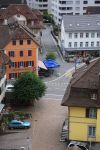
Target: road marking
(46,98)
(53,95)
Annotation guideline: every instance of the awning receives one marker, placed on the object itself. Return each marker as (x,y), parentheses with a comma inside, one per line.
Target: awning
(51,63)
(41,65)
(1,106)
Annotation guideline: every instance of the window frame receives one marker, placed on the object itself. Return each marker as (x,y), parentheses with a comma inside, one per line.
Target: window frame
(93,131)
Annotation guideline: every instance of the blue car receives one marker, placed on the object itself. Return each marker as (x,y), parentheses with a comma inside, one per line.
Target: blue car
(17,124)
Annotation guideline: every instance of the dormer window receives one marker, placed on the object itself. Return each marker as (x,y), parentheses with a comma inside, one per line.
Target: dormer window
(93,96)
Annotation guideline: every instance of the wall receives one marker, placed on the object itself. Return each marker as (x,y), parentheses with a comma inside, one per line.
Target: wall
(17,48)
(3,88)
(78,124)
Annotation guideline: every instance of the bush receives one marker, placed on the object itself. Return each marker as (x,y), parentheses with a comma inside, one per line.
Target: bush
(51,55)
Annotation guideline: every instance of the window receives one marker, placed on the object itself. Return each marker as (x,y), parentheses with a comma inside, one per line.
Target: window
(98,44)
(93,96)
(97,2)
(92,35)
(86,44)
(14,42)
(81,44)
(21,53)
(12,75)
(30,63)
(77,8)
(98,35)
(11,54)
(91,112)
(21,42)
(69,44)
(85,2)
(75,44)
(77,2)
(75,35)
(70,35)
(13,64)
(91,131)
(69,8)
(21,64)
(87,35)
(81,35)
(28,42)
(29,52)
(92,44)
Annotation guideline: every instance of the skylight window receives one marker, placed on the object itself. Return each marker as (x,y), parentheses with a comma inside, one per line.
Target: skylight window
(70,25)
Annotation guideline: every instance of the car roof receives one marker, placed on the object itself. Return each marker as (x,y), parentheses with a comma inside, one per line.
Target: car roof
(16,121)
(9,85)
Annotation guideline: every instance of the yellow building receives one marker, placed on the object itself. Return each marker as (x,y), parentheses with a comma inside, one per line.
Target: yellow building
(82,97)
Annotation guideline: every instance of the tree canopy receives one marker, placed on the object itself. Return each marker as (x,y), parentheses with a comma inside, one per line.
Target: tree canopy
(51,55)
(27,88)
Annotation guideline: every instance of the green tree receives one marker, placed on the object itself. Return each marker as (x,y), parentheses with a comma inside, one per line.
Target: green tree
(51,55)
(27,88)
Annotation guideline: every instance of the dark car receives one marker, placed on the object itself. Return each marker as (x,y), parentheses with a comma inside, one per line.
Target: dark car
(81,145)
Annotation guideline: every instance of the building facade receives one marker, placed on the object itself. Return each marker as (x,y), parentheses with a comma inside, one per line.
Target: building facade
(80,35)
(4,60)
(24,15)
(70,7)
(82,97)
(22,48)
(42,5)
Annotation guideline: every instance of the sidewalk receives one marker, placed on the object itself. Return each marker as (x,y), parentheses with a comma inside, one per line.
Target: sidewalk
(48,118)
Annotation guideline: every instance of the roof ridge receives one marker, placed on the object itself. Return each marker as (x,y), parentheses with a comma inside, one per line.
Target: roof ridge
(86,71)
(23,27)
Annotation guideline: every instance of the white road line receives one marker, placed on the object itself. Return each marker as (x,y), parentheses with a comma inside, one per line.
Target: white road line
(46,98)
(53,95)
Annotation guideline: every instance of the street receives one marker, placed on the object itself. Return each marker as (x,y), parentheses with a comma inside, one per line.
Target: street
(56,85)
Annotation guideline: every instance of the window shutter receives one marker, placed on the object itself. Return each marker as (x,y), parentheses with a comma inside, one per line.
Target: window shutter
(9,75)
(87,112)
(18,64)
(32,63)
(26,63)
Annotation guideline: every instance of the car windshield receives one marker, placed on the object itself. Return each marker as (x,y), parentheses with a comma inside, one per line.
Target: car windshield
(82,147)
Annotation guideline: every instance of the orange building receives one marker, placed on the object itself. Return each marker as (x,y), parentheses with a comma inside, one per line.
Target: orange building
(22,48)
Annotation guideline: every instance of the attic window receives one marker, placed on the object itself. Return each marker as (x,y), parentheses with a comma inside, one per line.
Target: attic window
(93,96)
(98,23)
(77,24)
(88,24)
(70,25)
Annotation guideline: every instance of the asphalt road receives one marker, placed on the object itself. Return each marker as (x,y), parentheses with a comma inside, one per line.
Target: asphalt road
(57,83)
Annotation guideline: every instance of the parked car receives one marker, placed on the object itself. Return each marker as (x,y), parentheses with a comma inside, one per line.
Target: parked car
(9,88)
(81,145)
(19,124)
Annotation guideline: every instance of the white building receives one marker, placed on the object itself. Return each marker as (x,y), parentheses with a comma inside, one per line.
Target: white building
(71,7)
(42,5)
(3,61)
(80,34)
